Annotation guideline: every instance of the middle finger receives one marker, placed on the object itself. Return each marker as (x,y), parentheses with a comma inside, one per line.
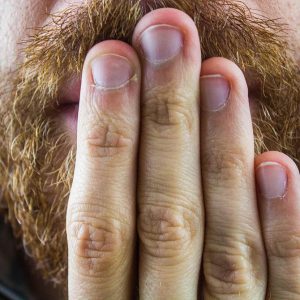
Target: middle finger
(170,216)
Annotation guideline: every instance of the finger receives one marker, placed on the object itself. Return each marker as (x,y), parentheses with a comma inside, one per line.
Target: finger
(101,209)
(234,258)
(278,182)
(170,220)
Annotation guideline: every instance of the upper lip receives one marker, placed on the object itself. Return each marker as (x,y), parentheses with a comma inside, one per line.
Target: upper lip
(70,92)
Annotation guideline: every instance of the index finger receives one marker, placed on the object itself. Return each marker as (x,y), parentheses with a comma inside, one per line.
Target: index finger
(101,208)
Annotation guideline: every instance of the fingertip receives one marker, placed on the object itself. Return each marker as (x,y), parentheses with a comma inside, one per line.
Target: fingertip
(229,70)
(109,66)
(277,176)
(178,19)
(115,47)
(110,90)
(280,158)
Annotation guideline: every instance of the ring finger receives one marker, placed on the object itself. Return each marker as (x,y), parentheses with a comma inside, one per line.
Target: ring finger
(234,257)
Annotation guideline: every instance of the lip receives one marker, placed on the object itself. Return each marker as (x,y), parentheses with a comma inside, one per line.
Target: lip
(68,104)
(70,93)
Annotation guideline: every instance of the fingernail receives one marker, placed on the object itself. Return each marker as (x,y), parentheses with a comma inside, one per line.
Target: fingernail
(111,71)
(161,43)
(214,92)
(272,180)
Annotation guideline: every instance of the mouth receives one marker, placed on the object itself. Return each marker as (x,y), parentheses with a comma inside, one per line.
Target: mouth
(70,93)
(68,103)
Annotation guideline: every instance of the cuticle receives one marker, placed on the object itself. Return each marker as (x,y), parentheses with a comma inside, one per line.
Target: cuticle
(123,85)
(284,196)
(161,62)
(221,108)
(134,76)
(139,38)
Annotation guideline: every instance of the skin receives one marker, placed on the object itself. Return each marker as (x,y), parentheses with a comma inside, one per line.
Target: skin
(240,238)
(31,13)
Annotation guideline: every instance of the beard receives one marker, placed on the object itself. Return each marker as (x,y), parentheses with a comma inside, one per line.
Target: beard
(37,155)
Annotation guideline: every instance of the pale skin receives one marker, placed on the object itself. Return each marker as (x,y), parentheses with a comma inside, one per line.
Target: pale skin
(186,200)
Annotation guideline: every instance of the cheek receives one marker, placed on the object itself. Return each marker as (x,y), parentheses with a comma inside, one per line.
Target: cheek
(286,10)
(16,17)
(290,13)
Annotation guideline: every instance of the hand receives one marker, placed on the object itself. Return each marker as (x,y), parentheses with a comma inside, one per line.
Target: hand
(175,176)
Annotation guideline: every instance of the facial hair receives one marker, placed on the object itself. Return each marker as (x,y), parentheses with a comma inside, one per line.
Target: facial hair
(37,156)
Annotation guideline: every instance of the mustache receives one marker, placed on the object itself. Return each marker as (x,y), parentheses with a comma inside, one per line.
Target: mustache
(225,28)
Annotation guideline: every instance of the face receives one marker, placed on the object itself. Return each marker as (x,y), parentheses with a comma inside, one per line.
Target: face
(41,85)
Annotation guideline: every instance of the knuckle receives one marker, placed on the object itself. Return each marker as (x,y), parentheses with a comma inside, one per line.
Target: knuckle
(96,243)
(168,111)
(166,232)
(226,165)
(107,140)
(283,244)
(231,269)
